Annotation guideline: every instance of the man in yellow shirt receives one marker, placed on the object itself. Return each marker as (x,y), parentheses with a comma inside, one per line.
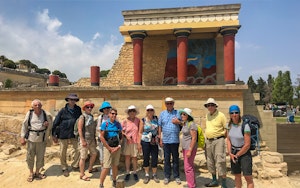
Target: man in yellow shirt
(215,143)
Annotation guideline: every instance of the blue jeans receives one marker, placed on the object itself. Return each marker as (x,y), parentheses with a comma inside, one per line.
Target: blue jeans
(171,149)
(147,150)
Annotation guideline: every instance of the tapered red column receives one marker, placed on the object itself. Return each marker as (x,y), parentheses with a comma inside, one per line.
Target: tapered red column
(228,33)
(95,75)
(137,41)
(182,52)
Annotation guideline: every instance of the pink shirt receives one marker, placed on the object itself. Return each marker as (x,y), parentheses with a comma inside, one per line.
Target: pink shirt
(131,129)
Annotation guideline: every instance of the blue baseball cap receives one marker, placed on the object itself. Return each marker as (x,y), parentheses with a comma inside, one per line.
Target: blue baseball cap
(234,108)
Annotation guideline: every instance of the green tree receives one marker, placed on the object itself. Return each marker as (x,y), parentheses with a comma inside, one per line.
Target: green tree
(9,64)
(297,87)
(251,84)
(8,83)
(61,75)
(268,89)
(104,73)
(261,90)
(287,90)
(2,58)
(28,64)
(43,71)
(277,95)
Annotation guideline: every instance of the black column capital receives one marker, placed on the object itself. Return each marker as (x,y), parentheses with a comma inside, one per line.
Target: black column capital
(229,30)
(137,34)
(182,32)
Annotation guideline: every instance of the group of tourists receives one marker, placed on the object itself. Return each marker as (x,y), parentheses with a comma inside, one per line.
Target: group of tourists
(110,138)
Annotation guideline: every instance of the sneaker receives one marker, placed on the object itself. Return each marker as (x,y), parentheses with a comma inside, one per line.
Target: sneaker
(114,183)
(135,176)
(185,186)
(178,181)
(127,177)
(146,180)
(166,181)
(212,184)
(155,178)
(101,186)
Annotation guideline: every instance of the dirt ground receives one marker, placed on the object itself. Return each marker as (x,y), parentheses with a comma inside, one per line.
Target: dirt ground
(14,172)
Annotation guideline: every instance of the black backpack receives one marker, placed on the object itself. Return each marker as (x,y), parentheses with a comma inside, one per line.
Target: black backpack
(254,125)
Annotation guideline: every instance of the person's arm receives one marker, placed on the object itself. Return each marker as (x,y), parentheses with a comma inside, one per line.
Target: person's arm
(24,129)
(141,130)
(81,132)
(232,156)
(193,142)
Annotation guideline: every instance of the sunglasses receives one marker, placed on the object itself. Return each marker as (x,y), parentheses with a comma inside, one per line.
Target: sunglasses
(150,110)
(234,113)
(106,108)
(113,113)
(184,114)
(169,103)
(73,99)
(89,107)
(210,105)
(131,111)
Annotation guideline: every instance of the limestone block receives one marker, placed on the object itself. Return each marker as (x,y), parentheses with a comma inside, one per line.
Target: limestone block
(272,157)
(10,149)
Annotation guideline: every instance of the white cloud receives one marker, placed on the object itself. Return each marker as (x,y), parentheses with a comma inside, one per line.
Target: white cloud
(45,47)
(265,71)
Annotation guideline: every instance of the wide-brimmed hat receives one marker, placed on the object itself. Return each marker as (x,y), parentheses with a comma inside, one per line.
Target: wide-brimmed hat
(234,108)
(188,112)
(132,107)
(149,106)
(105,104)
(210,101)
(169,99)
(88,103)
(72,96)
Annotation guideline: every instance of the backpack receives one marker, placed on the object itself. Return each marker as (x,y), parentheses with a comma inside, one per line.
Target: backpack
(254,125)
(76,126)
(29,124)
(200,136)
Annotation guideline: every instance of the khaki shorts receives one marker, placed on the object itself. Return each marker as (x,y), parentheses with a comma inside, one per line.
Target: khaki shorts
(91,147)
(110,159)
(131,149)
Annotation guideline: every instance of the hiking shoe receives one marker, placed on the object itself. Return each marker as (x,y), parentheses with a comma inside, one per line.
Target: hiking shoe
(146,180)
(178,181)
(135,176)
(114,183)
(66,173)
(155,178)
(166,181)
(212,184)
(75,169)
(127,177)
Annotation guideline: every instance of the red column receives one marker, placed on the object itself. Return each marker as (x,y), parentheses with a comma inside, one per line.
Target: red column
(95,75)
(228,33)
(137,41)
(182,52)
(53,80)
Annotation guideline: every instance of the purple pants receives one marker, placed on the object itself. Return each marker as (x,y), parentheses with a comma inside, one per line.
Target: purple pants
(189,168)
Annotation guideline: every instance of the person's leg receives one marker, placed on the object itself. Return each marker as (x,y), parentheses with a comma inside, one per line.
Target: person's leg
(146,159)
(167,163)
(220,158)
(83,157)
(249,180)
(76,156)
(189,168)
(175,160)
(40,154)
(210,160)
(30,160)
(103,175)
(238,180)
(63,143)
(93,153)
(107,161)
(127,163)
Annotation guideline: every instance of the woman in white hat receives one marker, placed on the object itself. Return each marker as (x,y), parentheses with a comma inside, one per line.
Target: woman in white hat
(148,139)
(130,129)
(189,146)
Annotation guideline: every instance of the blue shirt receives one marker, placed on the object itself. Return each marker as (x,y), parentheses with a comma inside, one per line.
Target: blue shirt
(170,131)
(112,129)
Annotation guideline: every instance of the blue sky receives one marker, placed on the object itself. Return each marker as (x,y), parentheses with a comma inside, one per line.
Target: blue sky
(72,35)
